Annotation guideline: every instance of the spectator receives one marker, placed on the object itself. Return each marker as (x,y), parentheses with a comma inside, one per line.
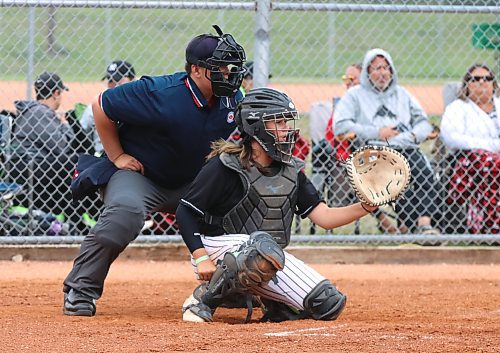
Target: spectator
(470,129)
(341,145)
(323,144)
(44,135)
(471,122)
(247,83)
(379,111)
(117,73)
(86,137)
(342,148)
(351,76)
(321,151)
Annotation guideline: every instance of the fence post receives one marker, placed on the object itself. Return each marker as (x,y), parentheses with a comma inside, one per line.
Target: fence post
(262,43)
(31,52)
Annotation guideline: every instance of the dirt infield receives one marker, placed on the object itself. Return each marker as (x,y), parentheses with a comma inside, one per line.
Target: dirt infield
(430,96)
(391,308)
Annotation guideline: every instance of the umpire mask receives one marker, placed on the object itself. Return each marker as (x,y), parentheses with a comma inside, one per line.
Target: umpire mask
(225,65)
(269,117)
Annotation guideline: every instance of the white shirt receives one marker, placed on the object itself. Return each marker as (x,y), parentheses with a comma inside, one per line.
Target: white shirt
(88,125)
(318,120)
(466,126)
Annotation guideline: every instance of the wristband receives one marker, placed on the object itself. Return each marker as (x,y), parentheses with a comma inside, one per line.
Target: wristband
(201,259)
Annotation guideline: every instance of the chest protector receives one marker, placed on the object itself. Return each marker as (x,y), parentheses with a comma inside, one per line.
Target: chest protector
(268,204)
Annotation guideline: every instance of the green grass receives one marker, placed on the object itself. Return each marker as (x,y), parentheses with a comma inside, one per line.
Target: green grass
(305,46)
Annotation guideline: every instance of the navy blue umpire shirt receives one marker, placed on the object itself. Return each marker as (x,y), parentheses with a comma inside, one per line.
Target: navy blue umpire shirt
(167,124)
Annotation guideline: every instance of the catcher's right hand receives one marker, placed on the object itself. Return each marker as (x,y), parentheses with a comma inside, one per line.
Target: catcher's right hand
(378,175)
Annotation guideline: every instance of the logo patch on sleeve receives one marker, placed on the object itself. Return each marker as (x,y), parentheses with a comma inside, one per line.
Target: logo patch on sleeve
(230,117)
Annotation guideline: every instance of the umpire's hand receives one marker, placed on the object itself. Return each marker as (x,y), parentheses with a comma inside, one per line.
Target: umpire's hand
(127,162)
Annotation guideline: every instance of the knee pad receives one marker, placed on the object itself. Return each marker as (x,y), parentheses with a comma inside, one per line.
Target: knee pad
(324,302)
(258,260)
(118,225)
(255,263)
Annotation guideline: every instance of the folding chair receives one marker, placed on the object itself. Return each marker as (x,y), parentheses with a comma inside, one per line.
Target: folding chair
(8,189)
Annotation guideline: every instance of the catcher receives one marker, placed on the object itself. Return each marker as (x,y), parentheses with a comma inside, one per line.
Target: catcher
(236,218)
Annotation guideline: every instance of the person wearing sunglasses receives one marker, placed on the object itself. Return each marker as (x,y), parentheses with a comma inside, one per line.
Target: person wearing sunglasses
(351,76)
(379,111)
(470,129)
(472,120)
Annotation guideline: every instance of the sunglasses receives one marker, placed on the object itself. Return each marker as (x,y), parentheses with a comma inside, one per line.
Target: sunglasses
(348,78)
(479,78)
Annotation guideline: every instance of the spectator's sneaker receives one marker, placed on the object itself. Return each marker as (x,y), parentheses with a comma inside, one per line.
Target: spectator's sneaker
(78,304)
(88,221)
(428,230)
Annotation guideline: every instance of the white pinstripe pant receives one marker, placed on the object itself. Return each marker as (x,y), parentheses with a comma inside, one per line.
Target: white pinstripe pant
(295,281)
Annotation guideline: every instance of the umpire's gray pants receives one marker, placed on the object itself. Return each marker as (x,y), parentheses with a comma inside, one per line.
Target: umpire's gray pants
(128,198)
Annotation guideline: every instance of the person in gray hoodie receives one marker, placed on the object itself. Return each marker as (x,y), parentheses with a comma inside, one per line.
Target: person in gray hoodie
(43,136)
(380,112)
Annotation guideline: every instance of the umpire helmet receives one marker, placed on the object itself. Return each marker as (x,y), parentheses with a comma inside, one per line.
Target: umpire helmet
(213,52)
(269,117)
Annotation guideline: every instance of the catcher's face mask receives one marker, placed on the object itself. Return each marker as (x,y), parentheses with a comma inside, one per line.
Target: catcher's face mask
(281,129)
(269,117)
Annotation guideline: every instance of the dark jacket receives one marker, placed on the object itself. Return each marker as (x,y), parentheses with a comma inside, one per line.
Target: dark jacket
(39,130)
(90,174)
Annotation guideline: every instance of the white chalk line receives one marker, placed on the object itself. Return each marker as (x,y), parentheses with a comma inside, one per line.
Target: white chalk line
(304,332)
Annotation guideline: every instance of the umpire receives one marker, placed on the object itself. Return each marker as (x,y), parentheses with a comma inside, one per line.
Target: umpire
(156,133)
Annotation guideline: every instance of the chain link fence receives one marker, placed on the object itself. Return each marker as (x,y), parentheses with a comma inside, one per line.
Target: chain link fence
(306,47)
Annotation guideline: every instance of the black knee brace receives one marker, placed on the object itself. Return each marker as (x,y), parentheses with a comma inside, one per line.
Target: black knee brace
(324,302)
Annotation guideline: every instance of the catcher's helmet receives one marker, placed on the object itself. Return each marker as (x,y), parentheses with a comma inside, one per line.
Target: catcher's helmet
(269,116)
(213,52)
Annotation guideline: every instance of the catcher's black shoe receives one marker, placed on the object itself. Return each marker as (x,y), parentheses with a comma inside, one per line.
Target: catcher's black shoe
(78,304)
(278,312)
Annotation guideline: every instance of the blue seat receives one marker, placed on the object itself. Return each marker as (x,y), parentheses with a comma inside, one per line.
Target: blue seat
(9,190)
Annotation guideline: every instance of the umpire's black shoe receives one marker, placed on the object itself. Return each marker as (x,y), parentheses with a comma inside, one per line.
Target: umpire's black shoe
(78,304)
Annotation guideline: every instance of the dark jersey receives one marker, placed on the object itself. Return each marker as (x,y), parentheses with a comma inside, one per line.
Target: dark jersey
(167,124)
(215,191)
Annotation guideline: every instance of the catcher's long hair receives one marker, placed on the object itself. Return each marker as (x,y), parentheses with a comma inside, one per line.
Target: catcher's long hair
(243,148)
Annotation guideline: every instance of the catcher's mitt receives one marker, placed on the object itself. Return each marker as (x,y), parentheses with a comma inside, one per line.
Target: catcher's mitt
(378,174)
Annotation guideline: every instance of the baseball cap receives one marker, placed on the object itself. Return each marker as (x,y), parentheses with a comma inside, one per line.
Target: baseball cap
(200,48)
(119,69)
(248,66)
(47,83)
